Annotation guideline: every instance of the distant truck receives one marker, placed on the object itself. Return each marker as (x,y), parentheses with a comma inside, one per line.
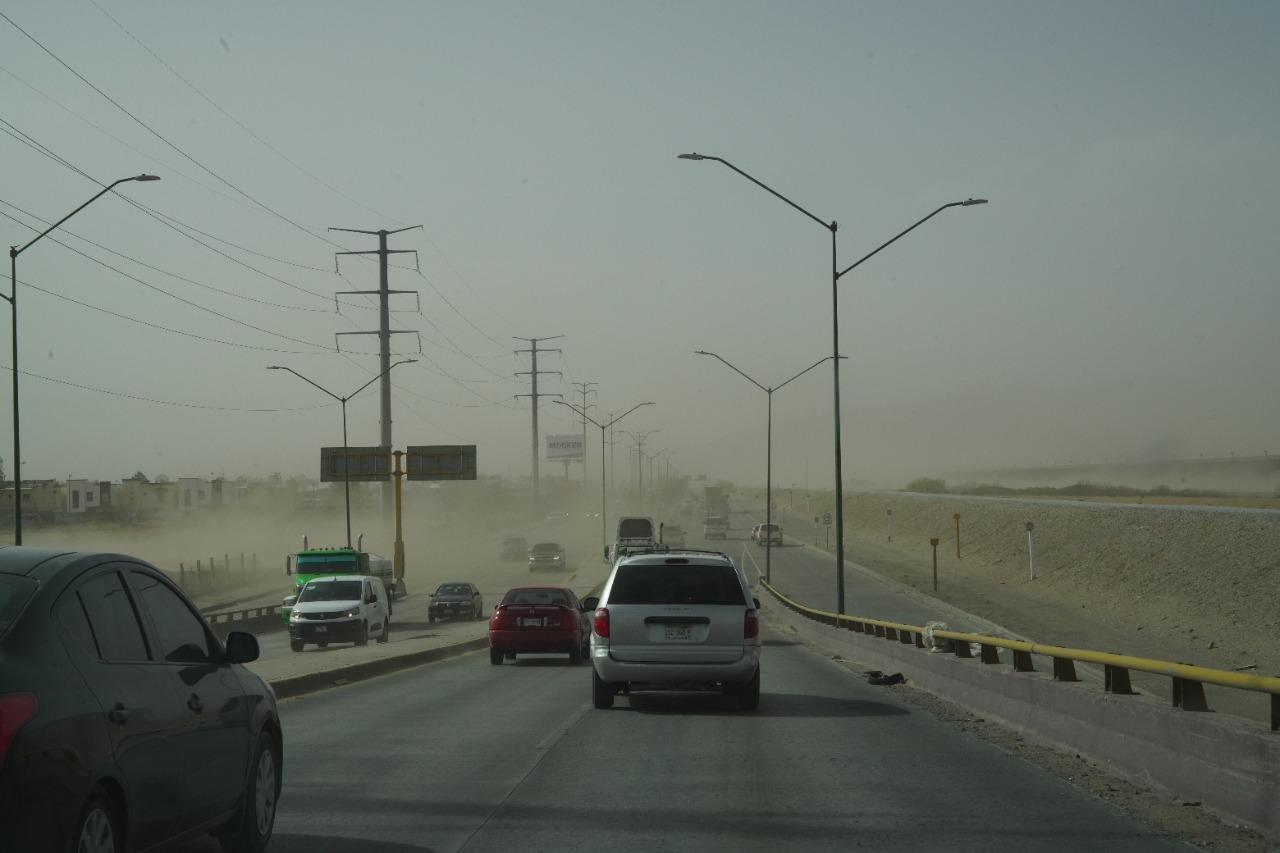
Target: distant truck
(311,563)
(636,534)
(714,502)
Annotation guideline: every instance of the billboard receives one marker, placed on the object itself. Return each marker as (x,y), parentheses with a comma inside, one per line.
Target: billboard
(441,462)
(356,464)
(565,447)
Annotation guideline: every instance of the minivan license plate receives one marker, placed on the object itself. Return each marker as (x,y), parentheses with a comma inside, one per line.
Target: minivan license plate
(320,629)
(676,632)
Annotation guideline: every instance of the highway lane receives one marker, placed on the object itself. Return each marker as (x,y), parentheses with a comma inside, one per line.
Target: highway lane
(463,755)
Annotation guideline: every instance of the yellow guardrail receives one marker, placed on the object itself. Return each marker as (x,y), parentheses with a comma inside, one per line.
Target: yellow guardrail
(1188,680)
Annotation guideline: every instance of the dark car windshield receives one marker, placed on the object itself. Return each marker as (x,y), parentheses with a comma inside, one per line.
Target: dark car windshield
(453,589)
(683,584)
(330,591)
(14,592)
(546,548)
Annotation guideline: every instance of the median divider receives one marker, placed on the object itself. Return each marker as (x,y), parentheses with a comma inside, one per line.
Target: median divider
(288,686)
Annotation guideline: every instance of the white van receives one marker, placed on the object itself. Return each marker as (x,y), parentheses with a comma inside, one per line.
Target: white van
(340,609)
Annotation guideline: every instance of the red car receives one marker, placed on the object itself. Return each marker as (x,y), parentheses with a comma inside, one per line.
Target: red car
(539,620)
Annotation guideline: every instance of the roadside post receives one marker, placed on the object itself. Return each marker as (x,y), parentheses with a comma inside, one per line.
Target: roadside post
(1031,552)
(934,543)
(826,521)
(957,518)
(889,513)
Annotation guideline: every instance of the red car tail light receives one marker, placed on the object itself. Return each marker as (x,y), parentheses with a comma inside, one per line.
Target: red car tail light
(569,620)
(751,625)
(15,710)
(601,622)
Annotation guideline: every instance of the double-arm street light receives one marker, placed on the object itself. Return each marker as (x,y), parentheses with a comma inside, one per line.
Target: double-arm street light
(836,274)
(604,503)
(768,477)
(346,463)
(640,438)
(12,299)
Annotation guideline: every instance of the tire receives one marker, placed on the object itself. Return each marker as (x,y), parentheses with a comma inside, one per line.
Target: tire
(97,831)
(495,657)
(430,618)
(511,655)
(362,639)
(323,645)
(601,693)
(575,655)
(251,833)
(586,652)
(296,645)
(480,610)
(749,693)
(385,636)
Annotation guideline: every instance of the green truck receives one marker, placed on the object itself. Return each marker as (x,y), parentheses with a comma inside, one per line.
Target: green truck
(311,563)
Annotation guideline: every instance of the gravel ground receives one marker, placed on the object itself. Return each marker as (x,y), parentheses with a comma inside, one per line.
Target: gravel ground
(1192,584)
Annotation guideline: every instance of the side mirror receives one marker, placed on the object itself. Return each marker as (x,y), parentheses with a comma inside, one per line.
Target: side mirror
(756,602)
(290,600)
(590,603)
(288,570)
(241,647)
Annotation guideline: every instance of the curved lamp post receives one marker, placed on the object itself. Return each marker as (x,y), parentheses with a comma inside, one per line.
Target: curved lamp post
(12,299)
(346,480)
(768,480)
(836,274)
(604,504)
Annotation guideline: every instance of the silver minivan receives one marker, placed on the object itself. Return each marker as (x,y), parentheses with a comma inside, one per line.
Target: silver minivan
(676,621)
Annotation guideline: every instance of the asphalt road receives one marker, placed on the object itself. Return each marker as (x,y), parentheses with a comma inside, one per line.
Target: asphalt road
(463,755)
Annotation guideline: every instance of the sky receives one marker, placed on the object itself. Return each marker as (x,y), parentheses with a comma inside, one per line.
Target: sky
(1115,300)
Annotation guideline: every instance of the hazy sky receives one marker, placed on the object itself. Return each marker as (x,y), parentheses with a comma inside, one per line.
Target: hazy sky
(1116,300)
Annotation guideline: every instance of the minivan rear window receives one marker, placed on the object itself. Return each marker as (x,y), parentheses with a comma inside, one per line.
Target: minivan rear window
(686,584)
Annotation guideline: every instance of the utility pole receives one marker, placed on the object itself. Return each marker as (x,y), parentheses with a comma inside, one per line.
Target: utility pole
(384,334)
(533,372)
(582,389)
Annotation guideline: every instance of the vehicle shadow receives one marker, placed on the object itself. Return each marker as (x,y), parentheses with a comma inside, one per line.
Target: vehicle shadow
(772,705)
(543,660)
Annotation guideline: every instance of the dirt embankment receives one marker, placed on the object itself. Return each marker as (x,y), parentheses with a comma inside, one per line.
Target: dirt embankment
(1195,584)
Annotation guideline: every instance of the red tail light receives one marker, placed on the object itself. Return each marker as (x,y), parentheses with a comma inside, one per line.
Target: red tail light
(601,622)
(569,620)
(15,710)
(751,625)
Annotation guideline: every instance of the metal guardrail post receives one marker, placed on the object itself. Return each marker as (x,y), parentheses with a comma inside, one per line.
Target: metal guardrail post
(1116,680)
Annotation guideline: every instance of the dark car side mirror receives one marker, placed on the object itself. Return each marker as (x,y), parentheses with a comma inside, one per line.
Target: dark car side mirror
(242,647)
(590,603)
(756,602)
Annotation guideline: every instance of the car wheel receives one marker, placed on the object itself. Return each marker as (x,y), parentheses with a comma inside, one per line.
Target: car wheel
(252,832)
(749,693)
(430,618)
(362,638)
(495,657)
(385,636)
(511,655)
(97,826)
(575,654)
(323,645)
(586,652)
(601,693)
(296,645)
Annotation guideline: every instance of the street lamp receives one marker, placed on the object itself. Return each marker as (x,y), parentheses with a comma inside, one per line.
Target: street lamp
(346,464)
(604,504)
(836,273)
(12,299)
(768,477)
(640,439)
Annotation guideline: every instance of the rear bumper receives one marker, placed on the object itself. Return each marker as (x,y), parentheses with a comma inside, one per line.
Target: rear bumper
(545,640)
(671,673)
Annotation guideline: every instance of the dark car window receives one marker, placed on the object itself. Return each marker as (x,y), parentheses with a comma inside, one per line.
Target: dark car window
(112,619)
(535,596)
(14,592)
(676,585)
(330,591)
(181,633)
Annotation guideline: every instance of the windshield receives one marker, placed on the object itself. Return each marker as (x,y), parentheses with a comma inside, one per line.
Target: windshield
(453,589)
(535,596)
(331,591)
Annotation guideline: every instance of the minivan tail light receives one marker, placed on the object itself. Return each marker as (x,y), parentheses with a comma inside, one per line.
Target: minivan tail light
(750,625)
(15,710)
(601,622)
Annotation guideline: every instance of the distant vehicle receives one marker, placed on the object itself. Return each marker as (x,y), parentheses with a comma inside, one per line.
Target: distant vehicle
(767,533)
(539,620)
(515,548)
(715,527)
(316,562)
(675,621)
(340,609)
(636,527)
(546,555)
(455,600)
(556,516)
(673,536)
(124,722)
